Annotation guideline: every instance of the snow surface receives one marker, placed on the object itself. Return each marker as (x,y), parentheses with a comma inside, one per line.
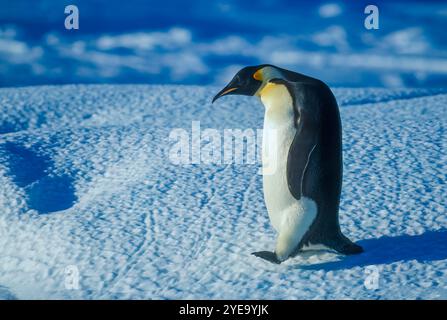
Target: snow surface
(86,182)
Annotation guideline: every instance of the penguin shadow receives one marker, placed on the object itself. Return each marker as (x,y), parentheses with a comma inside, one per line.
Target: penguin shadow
(6,127)
(45,192)
(429,246)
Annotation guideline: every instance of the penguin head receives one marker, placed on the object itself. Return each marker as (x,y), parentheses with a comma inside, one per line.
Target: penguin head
(246,82)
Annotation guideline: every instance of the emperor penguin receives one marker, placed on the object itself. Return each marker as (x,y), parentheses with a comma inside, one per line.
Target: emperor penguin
(302,128)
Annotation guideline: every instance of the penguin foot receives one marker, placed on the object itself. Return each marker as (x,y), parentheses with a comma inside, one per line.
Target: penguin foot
(349,248)
(267,255)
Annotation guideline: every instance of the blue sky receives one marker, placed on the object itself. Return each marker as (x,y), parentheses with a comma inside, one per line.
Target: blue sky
(205,42)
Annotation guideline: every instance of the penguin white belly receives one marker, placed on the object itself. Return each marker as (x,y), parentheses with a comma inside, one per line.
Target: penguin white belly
(289,216)
(277,195)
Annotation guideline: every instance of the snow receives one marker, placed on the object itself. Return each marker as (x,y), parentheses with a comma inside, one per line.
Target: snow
(88,188)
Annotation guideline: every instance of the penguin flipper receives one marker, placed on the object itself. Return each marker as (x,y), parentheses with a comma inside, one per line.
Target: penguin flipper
(305,140)
(267,255)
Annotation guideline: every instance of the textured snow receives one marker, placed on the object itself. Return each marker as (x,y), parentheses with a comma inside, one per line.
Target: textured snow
(86,182)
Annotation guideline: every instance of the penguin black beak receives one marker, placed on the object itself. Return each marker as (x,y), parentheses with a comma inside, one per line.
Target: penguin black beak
(227,90)
(243,83)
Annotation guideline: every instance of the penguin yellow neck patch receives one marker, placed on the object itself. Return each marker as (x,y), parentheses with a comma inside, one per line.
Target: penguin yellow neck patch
(267,89)
(278,106)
